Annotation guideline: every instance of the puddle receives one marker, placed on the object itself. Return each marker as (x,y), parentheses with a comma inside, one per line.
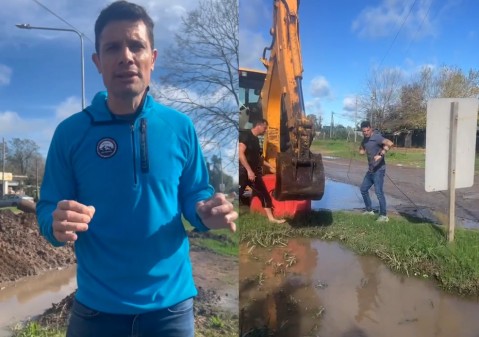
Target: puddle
(340,196)
(316,288)
(33,295)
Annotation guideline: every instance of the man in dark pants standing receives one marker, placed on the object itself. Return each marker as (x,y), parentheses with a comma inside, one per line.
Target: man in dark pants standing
(375,146)
(250,168)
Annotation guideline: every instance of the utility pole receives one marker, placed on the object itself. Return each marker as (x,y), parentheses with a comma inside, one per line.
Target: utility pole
(373,98)
(37,194)
(331,126)
(222,185)
(355,118)
(3,168)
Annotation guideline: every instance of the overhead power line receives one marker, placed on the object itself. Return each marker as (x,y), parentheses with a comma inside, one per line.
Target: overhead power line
(397,34)
(61,19)
(419,28)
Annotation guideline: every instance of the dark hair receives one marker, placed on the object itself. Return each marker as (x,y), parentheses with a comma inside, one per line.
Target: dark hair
(122,10)
(365,124)
(259,121)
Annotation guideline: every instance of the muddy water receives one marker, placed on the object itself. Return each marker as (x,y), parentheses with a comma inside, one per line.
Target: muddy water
(340,196)
(33,295)
(316,288)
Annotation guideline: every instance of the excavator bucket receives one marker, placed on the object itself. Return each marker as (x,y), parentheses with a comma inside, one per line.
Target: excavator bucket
(299,181)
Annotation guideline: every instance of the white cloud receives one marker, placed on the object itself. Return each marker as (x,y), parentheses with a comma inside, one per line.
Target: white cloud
(67,108)
(82,15)
(5,74)
(40,130)
(350,103)
(12,125)
(320,87)
(251,49)
(254,25)
(313,107)
(392,16)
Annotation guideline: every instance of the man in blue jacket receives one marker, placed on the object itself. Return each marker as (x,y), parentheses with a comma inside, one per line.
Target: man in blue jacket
(119,177)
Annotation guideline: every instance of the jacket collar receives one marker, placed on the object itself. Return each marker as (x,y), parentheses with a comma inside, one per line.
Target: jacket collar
(99,111)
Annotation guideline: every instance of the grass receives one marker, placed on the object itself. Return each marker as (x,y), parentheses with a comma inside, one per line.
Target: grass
(409,157)
(221,241)
(33,329)
(410,248)
(13,209)
(223,325)
(227,247)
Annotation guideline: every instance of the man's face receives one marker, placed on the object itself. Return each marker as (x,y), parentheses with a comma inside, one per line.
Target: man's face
(262,128)
(367,132)
(125,58)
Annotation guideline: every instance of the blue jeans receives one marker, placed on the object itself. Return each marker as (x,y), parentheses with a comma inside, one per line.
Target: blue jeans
(377,179)
(175,321)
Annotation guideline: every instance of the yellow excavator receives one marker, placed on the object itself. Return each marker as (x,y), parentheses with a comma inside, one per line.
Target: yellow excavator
(277,96)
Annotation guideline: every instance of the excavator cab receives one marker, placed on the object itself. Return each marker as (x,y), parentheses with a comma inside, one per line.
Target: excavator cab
(299,176)
(250,83)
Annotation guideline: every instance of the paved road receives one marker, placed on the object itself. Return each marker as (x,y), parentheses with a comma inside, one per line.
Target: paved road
(407,185)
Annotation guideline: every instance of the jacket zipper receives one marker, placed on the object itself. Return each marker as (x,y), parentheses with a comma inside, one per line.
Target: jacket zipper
(145,165)
(132,128)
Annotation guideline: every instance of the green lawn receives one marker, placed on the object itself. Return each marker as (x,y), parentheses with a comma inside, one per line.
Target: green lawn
(410,157)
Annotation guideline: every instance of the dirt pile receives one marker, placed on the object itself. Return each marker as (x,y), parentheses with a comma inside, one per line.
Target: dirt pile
(24,252)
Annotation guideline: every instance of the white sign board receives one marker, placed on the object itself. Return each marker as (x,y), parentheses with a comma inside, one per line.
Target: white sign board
(438,141)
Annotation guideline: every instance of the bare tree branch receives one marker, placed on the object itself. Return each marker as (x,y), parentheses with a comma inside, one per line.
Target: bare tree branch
(200,71)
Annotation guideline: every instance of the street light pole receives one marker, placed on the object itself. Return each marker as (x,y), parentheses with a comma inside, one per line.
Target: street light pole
(222,185)
(80,35)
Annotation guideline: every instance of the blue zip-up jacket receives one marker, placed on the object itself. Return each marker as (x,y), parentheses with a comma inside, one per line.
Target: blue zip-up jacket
(141,175)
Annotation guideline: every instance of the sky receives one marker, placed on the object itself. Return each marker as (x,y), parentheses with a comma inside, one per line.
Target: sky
(40,70)
(343,40)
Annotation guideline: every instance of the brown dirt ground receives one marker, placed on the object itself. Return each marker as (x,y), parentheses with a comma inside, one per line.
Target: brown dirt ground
(25,253)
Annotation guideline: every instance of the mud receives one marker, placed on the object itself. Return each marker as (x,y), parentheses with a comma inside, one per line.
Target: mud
(26,253)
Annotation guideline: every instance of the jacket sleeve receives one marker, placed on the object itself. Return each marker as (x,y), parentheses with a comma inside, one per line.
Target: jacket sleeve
(58,183)
(194,181)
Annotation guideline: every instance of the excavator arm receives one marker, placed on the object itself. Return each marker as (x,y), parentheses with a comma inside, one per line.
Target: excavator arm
(299,172)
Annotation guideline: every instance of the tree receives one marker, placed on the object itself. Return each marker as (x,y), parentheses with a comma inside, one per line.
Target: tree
(200,71)
(21,154)
(453,83)
(218,176)
(383,91)
(316,122)
(411,110)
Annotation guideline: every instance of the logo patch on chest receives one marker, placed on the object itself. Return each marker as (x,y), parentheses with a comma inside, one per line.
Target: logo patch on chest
(106,148)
